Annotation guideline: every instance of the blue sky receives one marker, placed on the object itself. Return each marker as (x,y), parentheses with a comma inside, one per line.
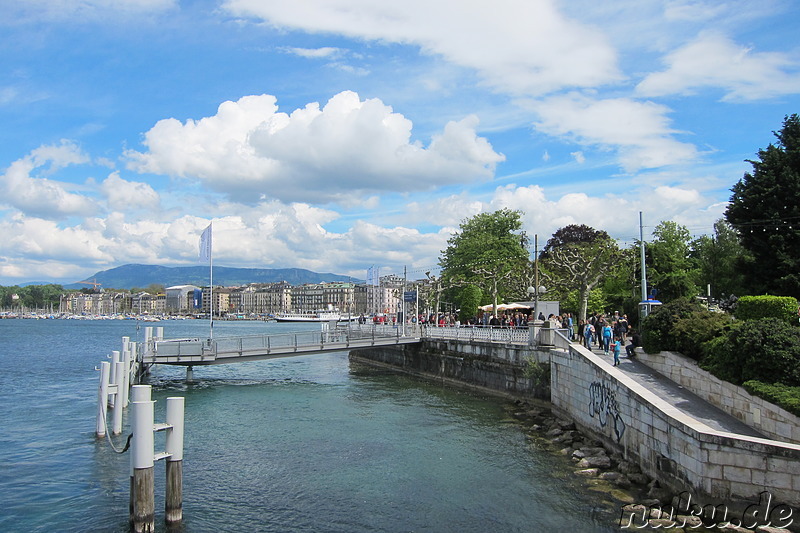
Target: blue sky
(334,135)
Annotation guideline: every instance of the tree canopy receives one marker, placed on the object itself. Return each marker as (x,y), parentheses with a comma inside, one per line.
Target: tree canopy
(579,258)
(484,252)
(765,211)
(673,271)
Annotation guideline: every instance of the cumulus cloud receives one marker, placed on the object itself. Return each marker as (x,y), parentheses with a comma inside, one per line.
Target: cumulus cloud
(349,147)
(640,131)
(123,194)
(516,47)
(714,60)
(23,186)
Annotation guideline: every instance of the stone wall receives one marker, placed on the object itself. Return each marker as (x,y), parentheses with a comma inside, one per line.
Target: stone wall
(669,446)
(769,419)
(494,367)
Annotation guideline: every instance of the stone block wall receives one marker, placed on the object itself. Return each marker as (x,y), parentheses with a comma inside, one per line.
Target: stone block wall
(669,446)
(493,367)
(769,419)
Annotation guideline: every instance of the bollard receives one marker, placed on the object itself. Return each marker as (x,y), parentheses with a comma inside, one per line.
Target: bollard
(119,372)
(160,333)
(102,399)
(112,378)
(173,505)
(142,481)
(126,378)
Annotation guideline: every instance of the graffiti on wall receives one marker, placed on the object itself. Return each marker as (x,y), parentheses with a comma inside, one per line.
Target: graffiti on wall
(603,404)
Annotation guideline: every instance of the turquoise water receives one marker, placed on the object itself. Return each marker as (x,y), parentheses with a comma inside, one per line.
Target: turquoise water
(312,443)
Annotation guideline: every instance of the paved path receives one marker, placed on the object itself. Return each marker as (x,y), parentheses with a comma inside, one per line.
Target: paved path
(688,402)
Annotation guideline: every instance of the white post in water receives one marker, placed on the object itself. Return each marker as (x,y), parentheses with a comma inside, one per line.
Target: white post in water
(102,399)
(160,333)
(112,378)
(173,505)
(126,378)
(119,372)
(142,459)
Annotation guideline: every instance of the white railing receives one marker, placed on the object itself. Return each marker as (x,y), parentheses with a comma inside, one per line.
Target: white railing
(275,342)
(515,335)
(519,335)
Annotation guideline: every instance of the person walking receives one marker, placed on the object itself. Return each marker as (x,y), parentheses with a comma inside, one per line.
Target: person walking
(588,333)
(608,332)
(617,345)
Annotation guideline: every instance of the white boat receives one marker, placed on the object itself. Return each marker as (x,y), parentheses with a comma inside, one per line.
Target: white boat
(314,316)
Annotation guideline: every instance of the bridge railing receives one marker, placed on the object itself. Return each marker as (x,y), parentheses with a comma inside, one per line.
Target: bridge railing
(268,343)
(515,335)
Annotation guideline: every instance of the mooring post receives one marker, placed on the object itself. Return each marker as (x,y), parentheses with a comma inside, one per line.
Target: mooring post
(112,378)
(160,333)
(102,399)
(119,372)
(142,459)
(173,505)
(126,378)
(189,374)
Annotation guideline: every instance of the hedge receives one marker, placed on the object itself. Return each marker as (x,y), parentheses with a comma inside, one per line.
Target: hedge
(781,395)
(767,307)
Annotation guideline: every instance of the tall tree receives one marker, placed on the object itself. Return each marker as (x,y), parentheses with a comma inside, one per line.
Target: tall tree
(485,250)
(672,270)
(765,210)
(578,258)
(717,257)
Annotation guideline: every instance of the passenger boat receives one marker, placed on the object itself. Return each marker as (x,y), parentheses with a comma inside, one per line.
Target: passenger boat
(315,316)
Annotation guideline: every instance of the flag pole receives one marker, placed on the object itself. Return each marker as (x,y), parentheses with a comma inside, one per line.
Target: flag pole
(211,290)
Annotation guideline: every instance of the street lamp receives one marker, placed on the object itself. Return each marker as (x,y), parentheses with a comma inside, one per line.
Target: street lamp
(534,292)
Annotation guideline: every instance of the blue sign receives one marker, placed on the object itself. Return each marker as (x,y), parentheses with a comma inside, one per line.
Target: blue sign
(410,296)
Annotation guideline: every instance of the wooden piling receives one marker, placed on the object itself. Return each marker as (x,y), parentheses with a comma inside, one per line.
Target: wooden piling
(173,501)
(173,504)
(144,507)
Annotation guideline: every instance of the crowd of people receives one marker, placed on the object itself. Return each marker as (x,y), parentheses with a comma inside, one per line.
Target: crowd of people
(609,333)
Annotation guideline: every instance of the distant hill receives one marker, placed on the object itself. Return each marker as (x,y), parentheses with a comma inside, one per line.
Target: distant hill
(132,275)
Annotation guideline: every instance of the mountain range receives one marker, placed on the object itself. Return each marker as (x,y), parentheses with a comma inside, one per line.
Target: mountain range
(141,276)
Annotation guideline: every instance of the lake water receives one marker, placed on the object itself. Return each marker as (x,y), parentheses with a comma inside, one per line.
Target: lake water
(306,444)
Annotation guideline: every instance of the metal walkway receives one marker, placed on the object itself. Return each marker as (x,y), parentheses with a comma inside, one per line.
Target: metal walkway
(196,351)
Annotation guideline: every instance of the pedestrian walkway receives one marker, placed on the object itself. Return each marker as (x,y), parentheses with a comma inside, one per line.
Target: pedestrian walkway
(680,398)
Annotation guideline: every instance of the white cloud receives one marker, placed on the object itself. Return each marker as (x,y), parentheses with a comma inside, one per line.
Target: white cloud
(516,47)
(315,53)
(123,194)
(713,60)
(638,130)
(39,196)
(349,147)
(579,157)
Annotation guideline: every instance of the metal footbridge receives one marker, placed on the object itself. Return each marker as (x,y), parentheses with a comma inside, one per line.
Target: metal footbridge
(197,351)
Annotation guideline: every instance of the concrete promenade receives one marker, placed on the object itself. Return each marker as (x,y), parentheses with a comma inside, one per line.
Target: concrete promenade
(690,404)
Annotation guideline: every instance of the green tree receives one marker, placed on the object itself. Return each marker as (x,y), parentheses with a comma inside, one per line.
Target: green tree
(485,251)
(579,258)
(717,257)
(765,210)
(469,299)
(672,270)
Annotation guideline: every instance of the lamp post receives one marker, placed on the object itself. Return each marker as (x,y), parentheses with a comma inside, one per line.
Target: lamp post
(534,292)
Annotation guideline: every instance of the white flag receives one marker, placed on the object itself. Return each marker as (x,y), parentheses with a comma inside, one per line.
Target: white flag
(205,244)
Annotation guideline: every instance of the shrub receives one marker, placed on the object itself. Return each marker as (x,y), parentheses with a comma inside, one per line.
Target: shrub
(767,351)
(767,307)
(658,328)
(780,395)
(693,332)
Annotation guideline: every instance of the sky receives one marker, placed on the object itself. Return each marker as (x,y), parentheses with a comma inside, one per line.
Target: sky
(338,135)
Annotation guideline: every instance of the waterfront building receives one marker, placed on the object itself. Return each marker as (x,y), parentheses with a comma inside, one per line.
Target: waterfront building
(180,299)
